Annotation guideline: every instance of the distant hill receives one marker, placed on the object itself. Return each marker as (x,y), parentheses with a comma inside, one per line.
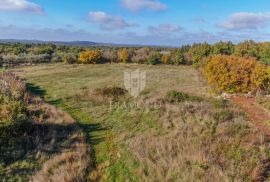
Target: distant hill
(73,43)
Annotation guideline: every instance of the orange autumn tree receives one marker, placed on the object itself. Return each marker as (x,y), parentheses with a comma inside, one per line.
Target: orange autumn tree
(235,75)
(124,55)
(90,57)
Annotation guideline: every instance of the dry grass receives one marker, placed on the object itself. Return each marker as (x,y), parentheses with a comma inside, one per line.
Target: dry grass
(196,147)
(56,116)
(64,147)
(48,137)
(188,140)
(69,166)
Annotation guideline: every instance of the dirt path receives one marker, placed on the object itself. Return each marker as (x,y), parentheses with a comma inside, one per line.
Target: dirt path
(257,115)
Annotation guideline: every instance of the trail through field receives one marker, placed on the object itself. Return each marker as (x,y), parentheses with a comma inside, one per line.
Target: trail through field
(257,115)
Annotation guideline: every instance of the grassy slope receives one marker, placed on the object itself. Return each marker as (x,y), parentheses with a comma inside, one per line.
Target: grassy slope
(114,133)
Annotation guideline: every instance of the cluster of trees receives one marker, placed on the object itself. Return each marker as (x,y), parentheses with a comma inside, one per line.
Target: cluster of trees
(233,74)
(197,52)
(188,54)
(19,53)
(130,55)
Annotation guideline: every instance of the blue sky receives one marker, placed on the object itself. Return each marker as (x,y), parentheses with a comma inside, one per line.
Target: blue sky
(151,22)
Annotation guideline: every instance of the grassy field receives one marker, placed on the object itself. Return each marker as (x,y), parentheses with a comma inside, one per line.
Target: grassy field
(192,136)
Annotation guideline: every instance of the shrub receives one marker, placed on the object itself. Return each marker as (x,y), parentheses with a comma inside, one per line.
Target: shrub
(154,58)
(140,56)
(264,52)
(234,74)
(12,86)
(166,58)
(178,58)
(224,48)
(260,77)
(247,48)
(90,57)
(70,58)
(111,92)
(174,97)
(13,104)
(13,115)
(110,56)
(198,52)
(124,55)
(220,103)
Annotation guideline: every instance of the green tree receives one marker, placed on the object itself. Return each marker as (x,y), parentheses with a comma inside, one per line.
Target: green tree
(224,48)
(198,52)
(264,52)
(154,58)
(247,48)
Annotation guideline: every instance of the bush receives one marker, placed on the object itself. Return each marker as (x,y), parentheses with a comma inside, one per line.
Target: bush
(261,77)
(166,58)
(175,97)
(224,48)
(13,115)
(154,58)
(247,48)
(140,56)
(220,103)
(70,58)
(90,57)
(125,55)
(13,104)
(110,56)
(198,52)
(112,92)
(178,58)
(235,75)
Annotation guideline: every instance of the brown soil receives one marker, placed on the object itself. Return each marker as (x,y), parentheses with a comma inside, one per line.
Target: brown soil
(257,115)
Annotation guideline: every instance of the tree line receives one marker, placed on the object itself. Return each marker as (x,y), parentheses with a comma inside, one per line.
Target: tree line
(19,53)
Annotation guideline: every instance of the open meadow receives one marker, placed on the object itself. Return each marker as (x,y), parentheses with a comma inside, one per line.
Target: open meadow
(134,91)
(184,133)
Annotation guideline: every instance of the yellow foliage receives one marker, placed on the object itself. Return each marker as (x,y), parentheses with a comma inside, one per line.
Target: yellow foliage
(165,58)
(124,55)
(90,57)
(235,75)
(260,77)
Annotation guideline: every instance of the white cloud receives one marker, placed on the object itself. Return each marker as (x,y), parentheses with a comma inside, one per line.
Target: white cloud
(164,28)
(136,5)
(245,20)
(20,5)
(108,22)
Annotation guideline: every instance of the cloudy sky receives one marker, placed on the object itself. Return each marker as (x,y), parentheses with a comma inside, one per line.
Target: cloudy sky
(151,22)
